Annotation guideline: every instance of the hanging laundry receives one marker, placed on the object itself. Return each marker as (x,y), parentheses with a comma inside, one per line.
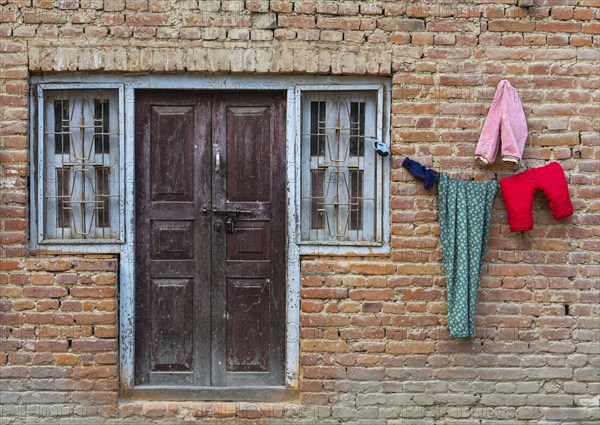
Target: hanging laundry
(421,172)
(465,218)
(518,192)
(506,121)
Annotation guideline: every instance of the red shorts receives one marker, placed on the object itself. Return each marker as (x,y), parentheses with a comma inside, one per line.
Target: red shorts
(518,192)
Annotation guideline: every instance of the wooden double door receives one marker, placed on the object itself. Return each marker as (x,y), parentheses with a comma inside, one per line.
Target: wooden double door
(210,238)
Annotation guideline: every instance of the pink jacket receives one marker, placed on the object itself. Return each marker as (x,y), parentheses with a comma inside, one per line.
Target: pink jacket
(506,121)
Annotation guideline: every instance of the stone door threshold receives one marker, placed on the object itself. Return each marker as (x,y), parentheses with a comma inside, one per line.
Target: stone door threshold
(162,393)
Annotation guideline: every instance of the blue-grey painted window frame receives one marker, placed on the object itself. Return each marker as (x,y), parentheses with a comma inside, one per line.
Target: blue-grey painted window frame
(126,250)
(37,158)
(382,246)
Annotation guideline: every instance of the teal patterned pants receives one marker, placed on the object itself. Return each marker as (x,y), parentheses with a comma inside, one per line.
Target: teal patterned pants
(465,216)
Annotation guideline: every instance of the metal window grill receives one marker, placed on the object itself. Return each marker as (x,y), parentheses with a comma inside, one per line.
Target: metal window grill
(81,166)
(340,173)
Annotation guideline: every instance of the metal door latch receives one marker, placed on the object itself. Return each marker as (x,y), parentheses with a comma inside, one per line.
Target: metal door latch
(234,212)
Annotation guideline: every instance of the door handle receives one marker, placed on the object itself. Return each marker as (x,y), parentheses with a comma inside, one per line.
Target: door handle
(229,224)
(218,161)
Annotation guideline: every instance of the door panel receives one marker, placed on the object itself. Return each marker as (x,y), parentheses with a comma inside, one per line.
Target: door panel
(248,142)
(172,240)
(248,325)
(249,131)
(172,246)
(250,241)
(210,256)
(172,153)
(171,304)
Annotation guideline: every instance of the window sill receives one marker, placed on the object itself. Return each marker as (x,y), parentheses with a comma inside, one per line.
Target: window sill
(345,250)
(159,393)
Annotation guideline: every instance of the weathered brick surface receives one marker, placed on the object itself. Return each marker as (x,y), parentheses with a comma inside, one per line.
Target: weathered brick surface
(374,348)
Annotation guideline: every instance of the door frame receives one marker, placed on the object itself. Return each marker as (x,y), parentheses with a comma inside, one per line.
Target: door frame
(293,85)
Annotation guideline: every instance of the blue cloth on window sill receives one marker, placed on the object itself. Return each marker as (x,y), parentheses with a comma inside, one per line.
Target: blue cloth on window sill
(428,175)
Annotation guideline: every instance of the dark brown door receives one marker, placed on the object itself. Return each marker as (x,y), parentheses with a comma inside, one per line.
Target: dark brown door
(210,238)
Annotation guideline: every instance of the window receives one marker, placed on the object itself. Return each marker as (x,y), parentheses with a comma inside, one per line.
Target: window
(342,178)
(80,163)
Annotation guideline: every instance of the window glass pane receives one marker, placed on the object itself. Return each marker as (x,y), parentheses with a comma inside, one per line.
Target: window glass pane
(62,137)
(101,126)
(317,128)
(63,192)
(102,197)
(317,185)
(356,199)
(357,128)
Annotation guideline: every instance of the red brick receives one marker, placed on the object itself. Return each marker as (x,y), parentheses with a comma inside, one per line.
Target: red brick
(398,24)
(372,268)
(311,306)
(422,38)
(322,346)
(43,358)
(106,358)
(39,318)
(584,14)
(69,305)
(104,279)
(324,320)
(508,295)
(94,318)
(323,293)
(591,28)
(95,265)
(49,264)
(39,17)
(44,291)
(371,294)
(296,21)
(10,265)
(371,307)
(345,23)
(410,347)
(559,139)
(105,305)
(323,372)
(95,345)
(23,305)
(281,6)
(42,278)
(562,271)
(45,305)
(563,13)
(66,359)
(105,331)
(451,26)
(66,278)
(148,19)
(94,372)
(558,26)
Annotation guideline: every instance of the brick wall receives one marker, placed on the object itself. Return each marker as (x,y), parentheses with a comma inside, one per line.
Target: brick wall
(374,347)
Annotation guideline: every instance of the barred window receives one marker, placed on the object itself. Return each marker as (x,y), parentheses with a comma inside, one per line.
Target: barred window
(79,166)
(341,173)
